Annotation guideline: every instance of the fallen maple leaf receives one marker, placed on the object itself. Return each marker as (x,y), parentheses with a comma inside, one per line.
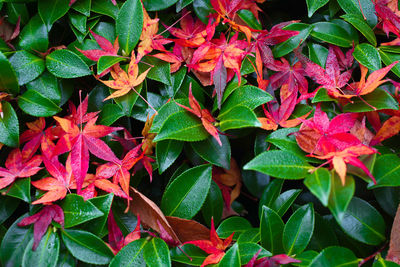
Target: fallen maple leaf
(276,260)
(42,220)
(206,118)
(215,246)
(116,240)
(390,128)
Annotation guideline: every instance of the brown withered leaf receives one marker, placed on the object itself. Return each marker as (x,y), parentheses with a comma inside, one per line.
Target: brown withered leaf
(188,230)
(150,213)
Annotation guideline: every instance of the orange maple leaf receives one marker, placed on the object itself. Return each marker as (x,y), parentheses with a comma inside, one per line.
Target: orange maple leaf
(124,82)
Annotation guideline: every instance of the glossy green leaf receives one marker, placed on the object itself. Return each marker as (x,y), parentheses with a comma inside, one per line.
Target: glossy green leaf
(155,5)
(283,202)
(335,256)
(106,62)
(340,196)
(182,126)
(86,246)
(161,70)
(186,194)
(34,35)
(7,207)
(47,85)
(306,258)
(213,205)
(167,152)
(319,183)
(368,56)
(363,222)
(323,236)
(126,102)
(360,24)
(129,25)
(280,164)
(21,189)
(331,33)
(270,194)
(102,203)
(78,21)
(110,113)
(386,171)
(379,98)
(380,262)
(9,126)
(248,17)
(8,77)
(231,225)
(14,243)
(131,255)
(249,236)
(248,250)
(298,230)
(156,253)
(212,152)
(105,7)
(165,111)
(182,4)
(292,43)
(317,53)
(27,66)
(82,6)
(271,230)
(46,254)
(238,117)
(15,10)
(367,8)
(52,10)
(36,104)
(314,5)
(66,64)
(388,199)
(231,257)
(389,58)
(196,255)
(322,96)
(77,211)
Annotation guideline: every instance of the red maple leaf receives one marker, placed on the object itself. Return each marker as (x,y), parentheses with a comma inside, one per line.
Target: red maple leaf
(389,18)
(206,118)
(276,260)
(215,246)
(42,220)
(116,240)
(18,166)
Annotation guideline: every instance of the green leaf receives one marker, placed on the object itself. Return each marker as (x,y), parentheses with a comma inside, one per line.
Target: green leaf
(78,21)
(292,43)
(9,126)
(47,85)
(298,230)
(131,255)
(164,112)
(8,77)
(314,5)
(14,243)
(249,236)
(306,258)
(271,230)
(248,250)
(156,253)
(317,54)
(280,164)
(386,171)
(167,152)
(340,196)
(213,205)
(270,194)
(388,198)
(105,7)
(27,66)
(380,262)
(35,104)
(77,211)
(126,102)
(389,58)
(362,26)
(331,33)
(7,207)
(15,10)
(322,96)
(335,256)
(181,4)
(46,254)
(368,56)
(66,64)
(212,152)
(324,234)
(231,257)
(106,62)
(319,183)
(182,126)
(21,189)
(52,10)
(110,113)
(86,246)
(196,255)
(238,117)
(363,222)
(83,7)
(155,5)
(379,98)
(248,17)
(283,202)
(103,203)
(34,36)
(129,25)
(231,225)
(161,70)
(248,96)
(186,194)
(367,8)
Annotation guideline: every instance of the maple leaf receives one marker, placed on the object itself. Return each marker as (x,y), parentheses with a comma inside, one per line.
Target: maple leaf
(390,128)
(389,18)
(215,246)
(348,155)
(81,141)
(18,166)
(319,136)
(276,260)
(116,239)
(42,220)
(124,82)
(149,39)
(107,49)
(175,57)
(206,118)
